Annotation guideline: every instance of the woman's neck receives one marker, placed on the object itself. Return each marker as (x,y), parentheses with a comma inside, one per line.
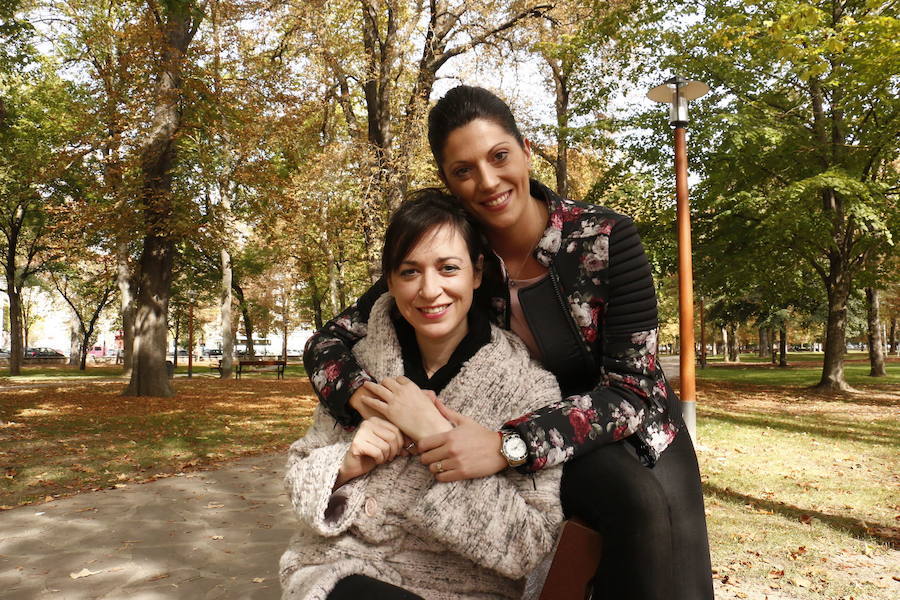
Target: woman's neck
(516,243)
(437,352)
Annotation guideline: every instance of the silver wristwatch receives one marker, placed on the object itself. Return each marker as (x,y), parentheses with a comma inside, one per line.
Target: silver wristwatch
(513,448)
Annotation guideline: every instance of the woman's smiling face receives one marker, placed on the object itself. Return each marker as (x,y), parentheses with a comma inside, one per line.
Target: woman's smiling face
(434,285)
(487,169)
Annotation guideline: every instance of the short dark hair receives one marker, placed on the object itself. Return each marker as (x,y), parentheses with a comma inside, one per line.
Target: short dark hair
(418,214)
(462,105)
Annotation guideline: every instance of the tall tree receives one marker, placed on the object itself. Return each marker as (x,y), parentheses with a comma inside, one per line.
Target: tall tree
(105,38)
(39,141)
(174,23)
(584,47)
(802,123)
(384,56)
(87,285)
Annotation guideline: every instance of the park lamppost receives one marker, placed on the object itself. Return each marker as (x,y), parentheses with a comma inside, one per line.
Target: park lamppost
(677,92)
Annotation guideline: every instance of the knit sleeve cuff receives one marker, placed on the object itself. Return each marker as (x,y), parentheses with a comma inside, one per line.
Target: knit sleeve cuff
(310,483)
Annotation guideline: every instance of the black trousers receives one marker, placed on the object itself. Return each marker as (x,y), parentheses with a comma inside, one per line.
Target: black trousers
(655,544)
(361,587)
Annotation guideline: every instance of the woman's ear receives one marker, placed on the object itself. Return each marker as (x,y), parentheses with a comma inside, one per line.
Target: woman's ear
(479,270)
(526,147)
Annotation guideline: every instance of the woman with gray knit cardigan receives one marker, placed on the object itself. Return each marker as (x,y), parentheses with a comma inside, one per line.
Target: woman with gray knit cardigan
(374,521)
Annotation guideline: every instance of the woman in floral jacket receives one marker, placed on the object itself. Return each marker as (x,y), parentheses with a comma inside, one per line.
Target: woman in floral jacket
(572,280)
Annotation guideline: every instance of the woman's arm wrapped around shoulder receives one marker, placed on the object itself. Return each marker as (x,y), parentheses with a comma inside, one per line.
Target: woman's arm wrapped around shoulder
(630,393)
(328,357)
(313,467)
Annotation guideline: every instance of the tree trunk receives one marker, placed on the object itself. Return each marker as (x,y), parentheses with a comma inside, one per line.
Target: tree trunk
(125,282)
(733,354)
(177,25)
(74,342)
(724,344)
(83,349)
(148,374)
(89,330)
(876,342)
(245,313)
(175,342)
(763,343)
(835,332)
(561,73)
(26,307)
(702,314)
(248,331)
(782,346)
(893,334)
(770,334)
(16,350)
(227,360)
(284,330)
(333,283)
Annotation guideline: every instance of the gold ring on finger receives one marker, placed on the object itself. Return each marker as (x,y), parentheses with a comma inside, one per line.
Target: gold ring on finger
(439,467)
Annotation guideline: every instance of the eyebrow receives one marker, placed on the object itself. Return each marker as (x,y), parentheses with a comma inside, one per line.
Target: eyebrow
(440,260)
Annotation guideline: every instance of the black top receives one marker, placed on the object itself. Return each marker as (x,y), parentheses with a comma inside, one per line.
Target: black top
(479,334)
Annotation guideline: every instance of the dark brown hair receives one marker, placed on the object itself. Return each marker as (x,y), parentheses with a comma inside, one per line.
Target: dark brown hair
(462,105)
(419,213)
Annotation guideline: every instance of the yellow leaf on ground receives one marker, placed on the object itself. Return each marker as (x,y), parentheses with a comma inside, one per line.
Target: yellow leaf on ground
(83,573)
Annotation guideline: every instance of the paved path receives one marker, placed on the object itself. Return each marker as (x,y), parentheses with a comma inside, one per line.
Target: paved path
(203,535)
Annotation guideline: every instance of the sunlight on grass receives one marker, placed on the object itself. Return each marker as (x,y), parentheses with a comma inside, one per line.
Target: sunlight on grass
(793,491)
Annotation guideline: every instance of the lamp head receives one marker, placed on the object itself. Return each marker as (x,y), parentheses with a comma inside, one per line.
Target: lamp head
(677,92)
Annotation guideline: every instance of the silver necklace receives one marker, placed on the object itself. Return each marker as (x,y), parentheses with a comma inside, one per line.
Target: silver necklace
(512,279)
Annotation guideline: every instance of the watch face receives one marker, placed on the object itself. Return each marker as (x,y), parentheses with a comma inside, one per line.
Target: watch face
(515,447)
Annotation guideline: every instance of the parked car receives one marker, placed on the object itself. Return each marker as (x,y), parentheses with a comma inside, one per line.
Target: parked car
(43,353)
(213,352)
(4,353)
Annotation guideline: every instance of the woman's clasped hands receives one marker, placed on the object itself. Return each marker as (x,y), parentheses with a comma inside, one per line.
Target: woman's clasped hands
(395,414)
(406,405)
(452,445)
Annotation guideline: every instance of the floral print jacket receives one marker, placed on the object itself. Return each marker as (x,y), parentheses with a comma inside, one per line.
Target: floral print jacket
(602,283)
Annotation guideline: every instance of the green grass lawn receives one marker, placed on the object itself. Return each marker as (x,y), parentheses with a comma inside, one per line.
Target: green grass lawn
(802,370)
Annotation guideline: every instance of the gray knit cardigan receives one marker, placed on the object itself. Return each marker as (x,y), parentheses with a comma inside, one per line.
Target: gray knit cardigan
(468,539)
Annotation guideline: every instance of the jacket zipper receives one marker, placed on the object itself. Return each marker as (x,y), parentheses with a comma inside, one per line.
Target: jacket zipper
(586,351)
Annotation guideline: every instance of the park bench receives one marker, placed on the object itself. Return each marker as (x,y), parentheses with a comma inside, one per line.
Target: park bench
(216,367)
(261,365)
(574,563)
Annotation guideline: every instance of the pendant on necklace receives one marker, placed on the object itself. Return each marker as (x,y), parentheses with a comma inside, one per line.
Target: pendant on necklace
(512,283)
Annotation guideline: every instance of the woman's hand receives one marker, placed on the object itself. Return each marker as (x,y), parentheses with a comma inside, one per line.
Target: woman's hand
(406,405)
(468,451)
(376,442)
(357,403)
